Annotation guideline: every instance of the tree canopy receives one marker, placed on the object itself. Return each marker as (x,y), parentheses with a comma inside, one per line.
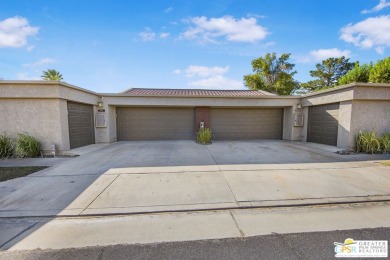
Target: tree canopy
(51,75)
(360,73)
(380,73)
(272,74)
(328,73)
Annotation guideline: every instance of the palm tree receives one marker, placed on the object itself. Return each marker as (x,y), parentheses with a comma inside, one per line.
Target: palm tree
(51,75)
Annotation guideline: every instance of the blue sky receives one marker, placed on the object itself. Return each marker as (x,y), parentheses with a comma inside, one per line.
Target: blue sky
(110,46)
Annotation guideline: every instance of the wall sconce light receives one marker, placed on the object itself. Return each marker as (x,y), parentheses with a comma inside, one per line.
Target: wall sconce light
(100,103)
(299,106)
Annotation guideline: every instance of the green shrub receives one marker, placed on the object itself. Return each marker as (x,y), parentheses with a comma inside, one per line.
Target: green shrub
(386,143)
(368,142)
(27,146)
(204,136)
(6,146)
(380,73)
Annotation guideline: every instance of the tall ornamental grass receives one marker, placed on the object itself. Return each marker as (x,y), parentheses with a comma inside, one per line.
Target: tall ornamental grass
(370,142)
(6,146)
(27,146)
(204,136)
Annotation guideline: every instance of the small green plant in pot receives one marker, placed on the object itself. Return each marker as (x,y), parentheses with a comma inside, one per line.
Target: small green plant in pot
(204,136)
(27,146)
(6,146)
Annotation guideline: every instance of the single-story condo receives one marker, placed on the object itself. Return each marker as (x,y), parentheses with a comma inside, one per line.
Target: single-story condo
(70,117)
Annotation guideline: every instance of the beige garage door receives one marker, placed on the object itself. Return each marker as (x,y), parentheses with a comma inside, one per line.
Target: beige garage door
(254,123)
(155,123)
(323,124)
(81,128)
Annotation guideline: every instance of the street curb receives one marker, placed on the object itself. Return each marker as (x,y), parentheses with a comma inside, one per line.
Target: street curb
(301,205)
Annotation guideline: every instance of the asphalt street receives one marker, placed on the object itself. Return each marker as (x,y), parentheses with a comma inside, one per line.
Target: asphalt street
(313,245)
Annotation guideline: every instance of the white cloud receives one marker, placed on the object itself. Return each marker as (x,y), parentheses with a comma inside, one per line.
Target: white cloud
(15,31)
(30,47)
(323,54)
(147,35)
(382,5)
(228,27)
(380,50)
(40,63)
(168,10)
(210,77)
(369,33)
(203,71)
(259,16)
(164,35)
(217,82)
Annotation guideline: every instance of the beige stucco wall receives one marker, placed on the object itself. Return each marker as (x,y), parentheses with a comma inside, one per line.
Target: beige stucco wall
(371,93)
(102,133)
(305,111)
(344,128)
(40,108)
(64,126)
(46,89)
(328,97)
(271,101)
(363,106)
(291,132)
(370,115)
(39,117)
(112,124)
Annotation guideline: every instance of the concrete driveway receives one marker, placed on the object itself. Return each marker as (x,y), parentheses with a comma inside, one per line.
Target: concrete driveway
(176,176)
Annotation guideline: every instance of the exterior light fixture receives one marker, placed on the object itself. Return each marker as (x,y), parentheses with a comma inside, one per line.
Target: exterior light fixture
(299,106)
(100,103)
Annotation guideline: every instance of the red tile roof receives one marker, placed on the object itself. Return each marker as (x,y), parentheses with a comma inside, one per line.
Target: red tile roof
(195,92)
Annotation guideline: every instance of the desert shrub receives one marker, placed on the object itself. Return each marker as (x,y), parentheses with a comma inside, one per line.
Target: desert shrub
(27,146)
(386,143)
(204,136)
(368,142)
(6,146)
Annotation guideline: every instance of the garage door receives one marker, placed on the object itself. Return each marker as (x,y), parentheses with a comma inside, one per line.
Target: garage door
(81,129)
(155,123)
(256,123)
(323,124)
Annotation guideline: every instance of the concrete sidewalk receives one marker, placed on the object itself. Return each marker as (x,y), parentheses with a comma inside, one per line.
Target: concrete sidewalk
(184,188)
(161,189)
(77,232)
